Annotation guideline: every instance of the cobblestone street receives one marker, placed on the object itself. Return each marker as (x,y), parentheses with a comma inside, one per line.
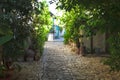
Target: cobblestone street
(59,63)
(56,62)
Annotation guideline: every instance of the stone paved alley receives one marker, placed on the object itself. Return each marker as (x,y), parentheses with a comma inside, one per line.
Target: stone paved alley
(59,63)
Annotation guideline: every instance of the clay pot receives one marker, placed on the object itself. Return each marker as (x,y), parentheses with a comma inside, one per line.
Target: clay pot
(8,74)
(6,78)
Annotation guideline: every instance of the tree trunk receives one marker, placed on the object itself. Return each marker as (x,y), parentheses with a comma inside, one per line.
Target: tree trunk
(106,42)
(91,44)
(1,55)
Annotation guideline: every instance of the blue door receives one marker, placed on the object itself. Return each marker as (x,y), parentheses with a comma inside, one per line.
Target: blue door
(57,30)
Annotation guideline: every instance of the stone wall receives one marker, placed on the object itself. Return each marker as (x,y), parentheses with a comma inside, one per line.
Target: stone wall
(98,42)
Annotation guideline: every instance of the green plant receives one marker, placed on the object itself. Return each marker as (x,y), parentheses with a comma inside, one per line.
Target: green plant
(5,39)
(17,67)
(20,19)
(114,60)
(15,27)
(2,67)
(4,72)
(41,24)
(99,16)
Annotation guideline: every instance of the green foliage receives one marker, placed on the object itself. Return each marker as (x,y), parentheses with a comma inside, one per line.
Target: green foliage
(2,67)
(114,60)
(108,11)
(13,50)
(22,19)
(15,16)
(68,19)
(42,22)
(98,15)
(5,39)
(76,21)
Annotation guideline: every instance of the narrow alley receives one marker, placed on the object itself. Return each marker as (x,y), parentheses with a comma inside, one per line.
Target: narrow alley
(59,63)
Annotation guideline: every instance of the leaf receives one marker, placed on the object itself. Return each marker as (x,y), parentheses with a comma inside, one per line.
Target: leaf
(5,39)
(4,30)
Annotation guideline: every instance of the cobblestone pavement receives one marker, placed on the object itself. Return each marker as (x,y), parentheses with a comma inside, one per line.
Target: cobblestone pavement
(59,63)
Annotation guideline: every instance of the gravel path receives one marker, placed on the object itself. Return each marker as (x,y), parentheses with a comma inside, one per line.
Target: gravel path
(59,63)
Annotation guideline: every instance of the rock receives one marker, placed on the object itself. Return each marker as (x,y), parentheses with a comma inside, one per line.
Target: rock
(29,55)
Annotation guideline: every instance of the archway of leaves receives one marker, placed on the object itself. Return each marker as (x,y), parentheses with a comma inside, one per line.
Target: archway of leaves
(92,16)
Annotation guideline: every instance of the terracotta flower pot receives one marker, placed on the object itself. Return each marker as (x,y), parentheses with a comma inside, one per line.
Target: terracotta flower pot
(6,78)
(8,74)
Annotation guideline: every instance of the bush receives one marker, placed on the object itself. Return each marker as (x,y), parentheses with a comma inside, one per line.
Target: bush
(114,60)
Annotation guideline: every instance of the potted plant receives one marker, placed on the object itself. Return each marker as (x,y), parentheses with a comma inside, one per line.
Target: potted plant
(2,67)
(6,66)
(7,74)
